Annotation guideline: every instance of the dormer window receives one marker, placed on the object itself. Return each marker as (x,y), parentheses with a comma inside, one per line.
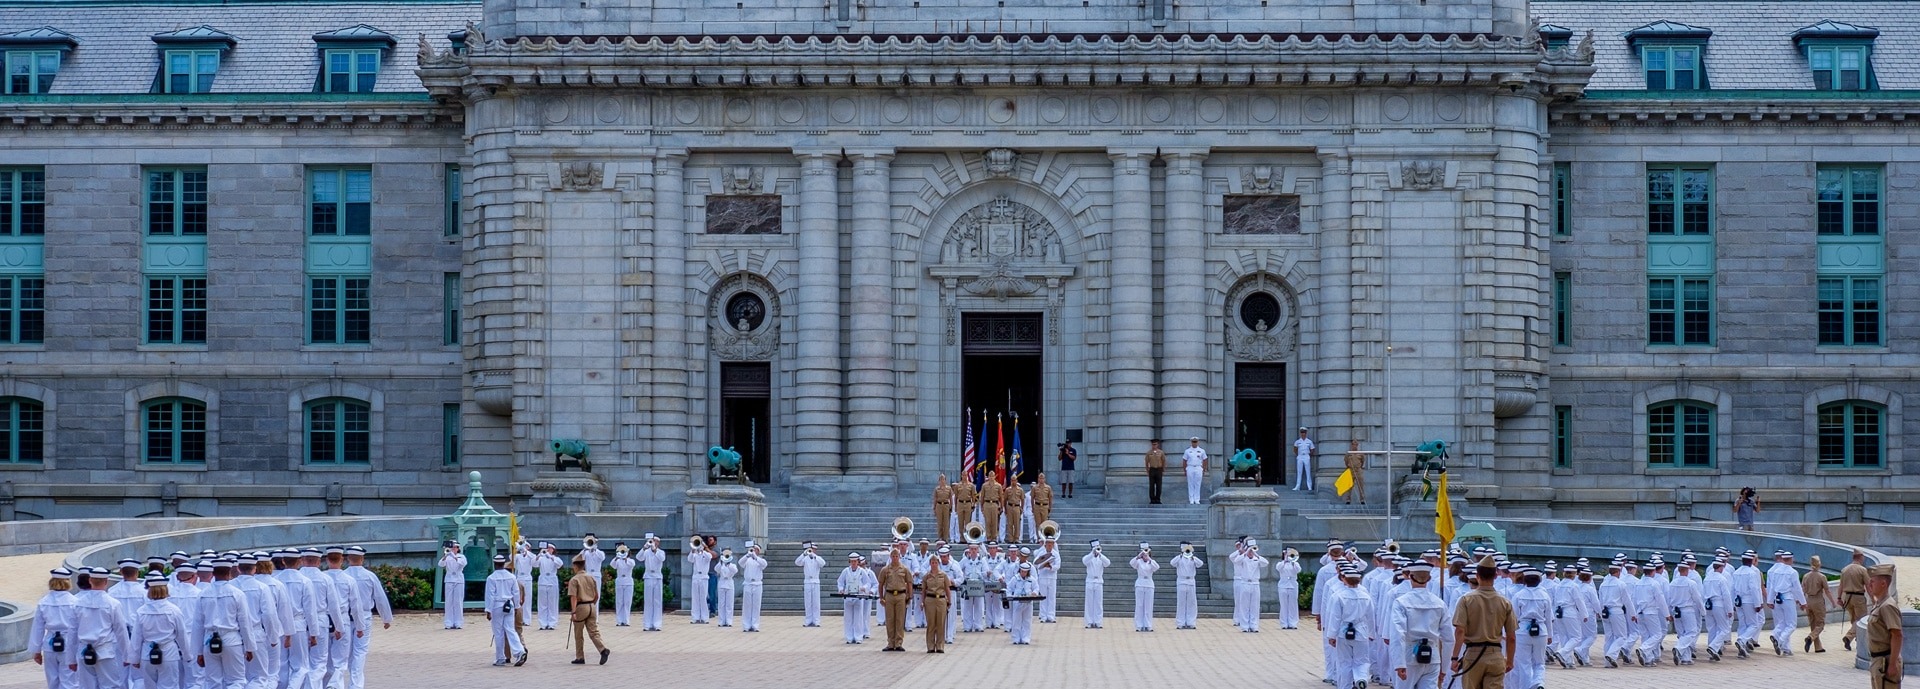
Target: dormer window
(33,58)
(1555,37)
(1839,55)
(1672,54)
(190,58)
(350,58)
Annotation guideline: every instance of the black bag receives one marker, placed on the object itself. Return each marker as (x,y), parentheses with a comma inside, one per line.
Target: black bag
(1559,612)
(88,656)
(1709,603)
(1676,613)
(1533,627)
(213,644)
(1351,634)
(1779,599)
(1423,654)
(58,643)
(1606,613)
(1736,601)
(154,655)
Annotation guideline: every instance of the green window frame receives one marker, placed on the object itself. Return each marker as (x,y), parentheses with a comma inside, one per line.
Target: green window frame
(1562,309)
(351,70)
(1679,200)
(1850,311)
(31,71)
(1562,436)
(1840,67)
(177,309)
(189,70)
(24,300)
(450,309)
(175,431)
(1680,310)
(450,434)
(339,309)
(339,431)
(1680,434)
(453,196)
(1673,67)
(340,201)
(1849,200)
(1562,199)
(176,202)
(23,425)
(1852,435)
(23,202)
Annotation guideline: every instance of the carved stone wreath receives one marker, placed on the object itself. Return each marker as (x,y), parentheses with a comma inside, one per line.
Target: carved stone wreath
(755,335)
(1261,341)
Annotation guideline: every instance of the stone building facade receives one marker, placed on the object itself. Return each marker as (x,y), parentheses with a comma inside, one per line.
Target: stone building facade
(836,237)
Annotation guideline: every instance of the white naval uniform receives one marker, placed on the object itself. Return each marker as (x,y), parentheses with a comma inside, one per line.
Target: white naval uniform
(1590,606)
(373,601)
(283,607)
(956,573)
(916,564)
(973,611)
(263,614)
(1303,465)
(753,571)
(1195,461)
(1143,570)
(1617,613)
(186,597)
(1718,593)
(652,594)
(548,584)
(1096,587)
(340,652)
(56,615)
(996,572)
(595,557)
(810,564)
(1020,613)
(1419,615)
(1685,597)
(223,613)
(850,582)
(1566,615)
(622,589)
(1046,572)
(502,597)
(1349,607)
(1287,588)
(1533,609)
(453,588)
(724,573)
(1749,602)
(1785,597)
(1323,585)
(523,575)
(305,625)
(1651,595)
(1186,607)
(331,616)
(1247,571)
(699,564)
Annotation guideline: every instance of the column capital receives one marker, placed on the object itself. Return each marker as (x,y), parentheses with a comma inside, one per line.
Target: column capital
(1183,161)
(1185,153)
(812,159)
(1131,161)
(670,154)
(869,157)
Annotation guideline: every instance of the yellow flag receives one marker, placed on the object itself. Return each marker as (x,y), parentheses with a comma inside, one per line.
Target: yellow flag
(1443,519)
(513,537)
(1344,483)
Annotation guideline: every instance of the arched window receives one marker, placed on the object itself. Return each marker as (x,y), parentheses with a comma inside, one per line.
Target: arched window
(22,428)
(339,431)
(176,431)
(1852,434)
(1680,434)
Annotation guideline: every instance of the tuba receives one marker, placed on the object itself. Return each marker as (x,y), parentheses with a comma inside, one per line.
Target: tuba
(1049,530)
(902,528)
(976,533)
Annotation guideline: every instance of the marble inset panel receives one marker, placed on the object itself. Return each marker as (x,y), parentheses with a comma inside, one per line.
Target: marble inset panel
(743,214)
(1260,214)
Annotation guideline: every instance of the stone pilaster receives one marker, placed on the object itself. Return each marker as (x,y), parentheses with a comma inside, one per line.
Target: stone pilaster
(870,403)
(817,403)
(1327,402)
(1184,330)
(667,448)
(1130,390)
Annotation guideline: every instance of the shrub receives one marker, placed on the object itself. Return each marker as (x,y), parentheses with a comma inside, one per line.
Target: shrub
(408,588)
(1306,588)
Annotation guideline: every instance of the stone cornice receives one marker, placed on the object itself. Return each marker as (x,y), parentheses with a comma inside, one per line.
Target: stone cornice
(1801,107)
(107,112)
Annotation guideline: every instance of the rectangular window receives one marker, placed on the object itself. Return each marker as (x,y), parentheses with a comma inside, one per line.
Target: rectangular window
(339,310)
(1849,200)
(1680,435)
(31,71)
(1672,67)
(450,434)
(352,70)
(1838,67)
(1562,198)
(1679,201)
(22,431)
(23,203)
(1850,435)
(1850,311)
(177,202)
(176,310)
(340,202)
(453,201)
(189,71)
(339,431)
(1562,309)
(450,308)
(1680,310)
(1562,436)
(25,300)
(176,432)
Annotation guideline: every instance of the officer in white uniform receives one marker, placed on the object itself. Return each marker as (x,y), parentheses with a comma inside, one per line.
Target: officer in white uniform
(503,597)
(1785,599)
(1096,587)
(1303,462)
(1186,567)
(1419,617)
(753,585)
(227,635)
(1143,568)
(548,582)
(623,564)
(699,565)
(1195,460)
(1046,571)
(453,584)
(810,563)
(652,585)
(1286,573)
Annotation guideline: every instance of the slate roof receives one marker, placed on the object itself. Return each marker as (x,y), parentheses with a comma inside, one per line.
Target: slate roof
(274,49)
(1752,45)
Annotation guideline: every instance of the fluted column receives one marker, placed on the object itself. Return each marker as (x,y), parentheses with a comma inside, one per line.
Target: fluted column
(817,406)
(668,398)
(1184,331)
(1130,390)
(870,403)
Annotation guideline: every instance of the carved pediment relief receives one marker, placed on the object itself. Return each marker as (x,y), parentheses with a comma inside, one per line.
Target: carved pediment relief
(1001,249)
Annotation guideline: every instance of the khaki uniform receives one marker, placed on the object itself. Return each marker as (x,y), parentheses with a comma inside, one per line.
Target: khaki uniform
(1156,470)
(990,508)
(964,500)
(1042,503)
(896,583)
(1853,597)
(1488,620)
(1014,504)
(942,509)
(1814,584)
(934,595)
(1357,463)
(1882,620)
(585,592)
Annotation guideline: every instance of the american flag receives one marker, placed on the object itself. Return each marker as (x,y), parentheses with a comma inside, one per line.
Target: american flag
(969,462)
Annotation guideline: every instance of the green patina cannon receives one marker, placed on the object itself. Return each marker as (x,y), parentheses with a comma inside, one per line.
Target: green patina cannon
(724,462)
(1245,465)
(570,453)
(1430,459)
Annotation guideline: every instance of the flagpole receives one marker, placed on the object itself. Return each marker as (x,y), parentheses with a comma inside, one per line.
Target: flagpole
(1389,432)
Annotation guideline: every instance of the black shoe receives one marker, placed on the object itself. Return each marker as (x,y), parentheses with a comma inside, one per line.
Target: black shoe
(1846,643)
(522,660)
(578,661)
(603,656)
(1806,644)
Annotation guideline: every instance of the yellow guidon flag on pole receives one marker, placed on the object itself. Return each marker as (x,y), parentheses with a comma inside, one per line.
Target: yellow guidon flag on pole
(1443,514)
(1344,483)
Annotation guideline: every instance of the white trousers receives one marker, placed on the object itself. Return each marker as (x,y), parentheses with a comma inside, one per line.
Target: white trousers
(169,674)
(1750,621)
(1096,605)
(1420,675)
(1186,604)
(1290,606)
(1653,634)
(1049,608)
(1020,622)
(916,618)
(724,601)
(225,670)
(1620,632)
(357,665)
(811,600)
(261,671)
(1529,659)
(549,603)
(525,610)
(1195,476)
(1352,661)
(1303,473)
(699,598)
(1246,605)
(1686,633)
(506,641)
(996,615)
(1784,617)
(293,672)
(340,659)
(453,596)
(850,620)
(1589,631)
(54,665)
(750,604)
(973,612)
(1143,606)
(1719,626)
(954,606)
(622,601)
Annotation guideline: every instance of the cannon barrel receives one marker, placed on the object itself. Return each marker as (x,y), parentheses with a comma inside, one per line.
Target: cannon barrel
(723,457)
(576,449)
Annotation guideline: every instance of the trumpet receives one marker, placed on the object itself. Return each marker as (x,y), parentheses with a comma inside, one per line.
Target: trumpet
(976,533)
(1049,530)
(696,543)
(589,542)
(902,528)
(1187,549)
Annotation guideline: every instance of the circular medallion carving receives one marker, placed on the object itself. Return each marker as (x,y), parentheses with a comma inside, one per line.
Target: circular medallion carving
(747,307)
(842,110)
(176,256)
(1679,255)
(1053,110)
(947,109)
(1159,109)
(1212,109)
(1317,109)
(1396,108)
(1105,109)
(609,110)
(686,111)
(556,110)
(1449,108)
(1265,109)
(895,110)
(1848,255)
(339,255)
(791,110)
(1260,311)
(739,110)
(15,256)
(1000,110)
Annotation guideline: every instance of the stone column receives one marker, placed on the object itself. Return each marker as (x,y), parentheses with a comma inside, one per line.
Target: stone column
(1185,332)
(667,447)
(817,410)
(1329,404)
(870,403)
(1130,389)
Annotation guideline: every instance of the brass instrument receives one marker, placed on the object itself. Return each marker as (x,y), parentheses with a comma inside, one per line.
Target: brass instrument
(589,542)
(1187,549)
(696,543)
(902,528)
(976,533)
(1049,530)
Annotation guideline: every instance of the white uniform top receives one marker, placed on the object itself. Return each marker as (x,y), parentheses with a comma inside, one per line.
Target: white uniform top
(187,599)
(1719,590)
(130,595)
(262,613)
(1746,586)
(651,560)
(1323,583)
(725,571)
(1531,603)
(1617,597)
(523,565)
(595,557)
(1589,600)
(330,608)
(1186,566)
(348,594)
(1288,573)
(305,620)
(623,568)
(549,566)
(1348,605)
(373,595)
(1684,594)
(1783,585)
(503,588)
(809,564)
(1303,448)
(1143,569)
(1419,614)
(160,622)
(455,566)
(1096,564)
(1249,568)
(854,580)
(55,613)
(1045,568)
(700,562)
(753,569)
(223,609)
(1194,457)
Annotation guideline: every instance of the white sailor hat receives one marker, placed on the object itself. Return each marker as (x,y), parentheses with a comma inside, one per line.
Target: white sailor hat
(649,536)
(1146,546)
(207,553)
(1420,567)
(1616,563)
(231,553)
(223,562)
(129,562)
(1722,550)
(1630,564)
(1688,559)
(1303,428)
(356,550)
(1457,557)
(1429,553)
(1750,554)
(1569,568)
(1251,542)
(1550,564)
(178,555)
(1026,551)
(260,555)
(499,559)
(1026,567)
(993,543)
(925,540)
(1350,571)
(1194,439)
(1581,561)
(945,550)
(309,552)
(61,572)
(335,550)
(1782,553)
(155,579)
(853,556)
(1720,561)
(186,568)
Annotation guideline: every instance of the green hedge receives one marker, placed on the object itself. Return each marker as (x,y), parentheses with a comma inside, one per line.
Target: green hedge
(408,588)
(1306,588)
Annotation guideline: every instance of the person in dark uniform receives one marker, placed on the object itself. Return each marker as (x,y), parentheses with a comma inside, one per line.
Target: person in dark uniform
(1156,470)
